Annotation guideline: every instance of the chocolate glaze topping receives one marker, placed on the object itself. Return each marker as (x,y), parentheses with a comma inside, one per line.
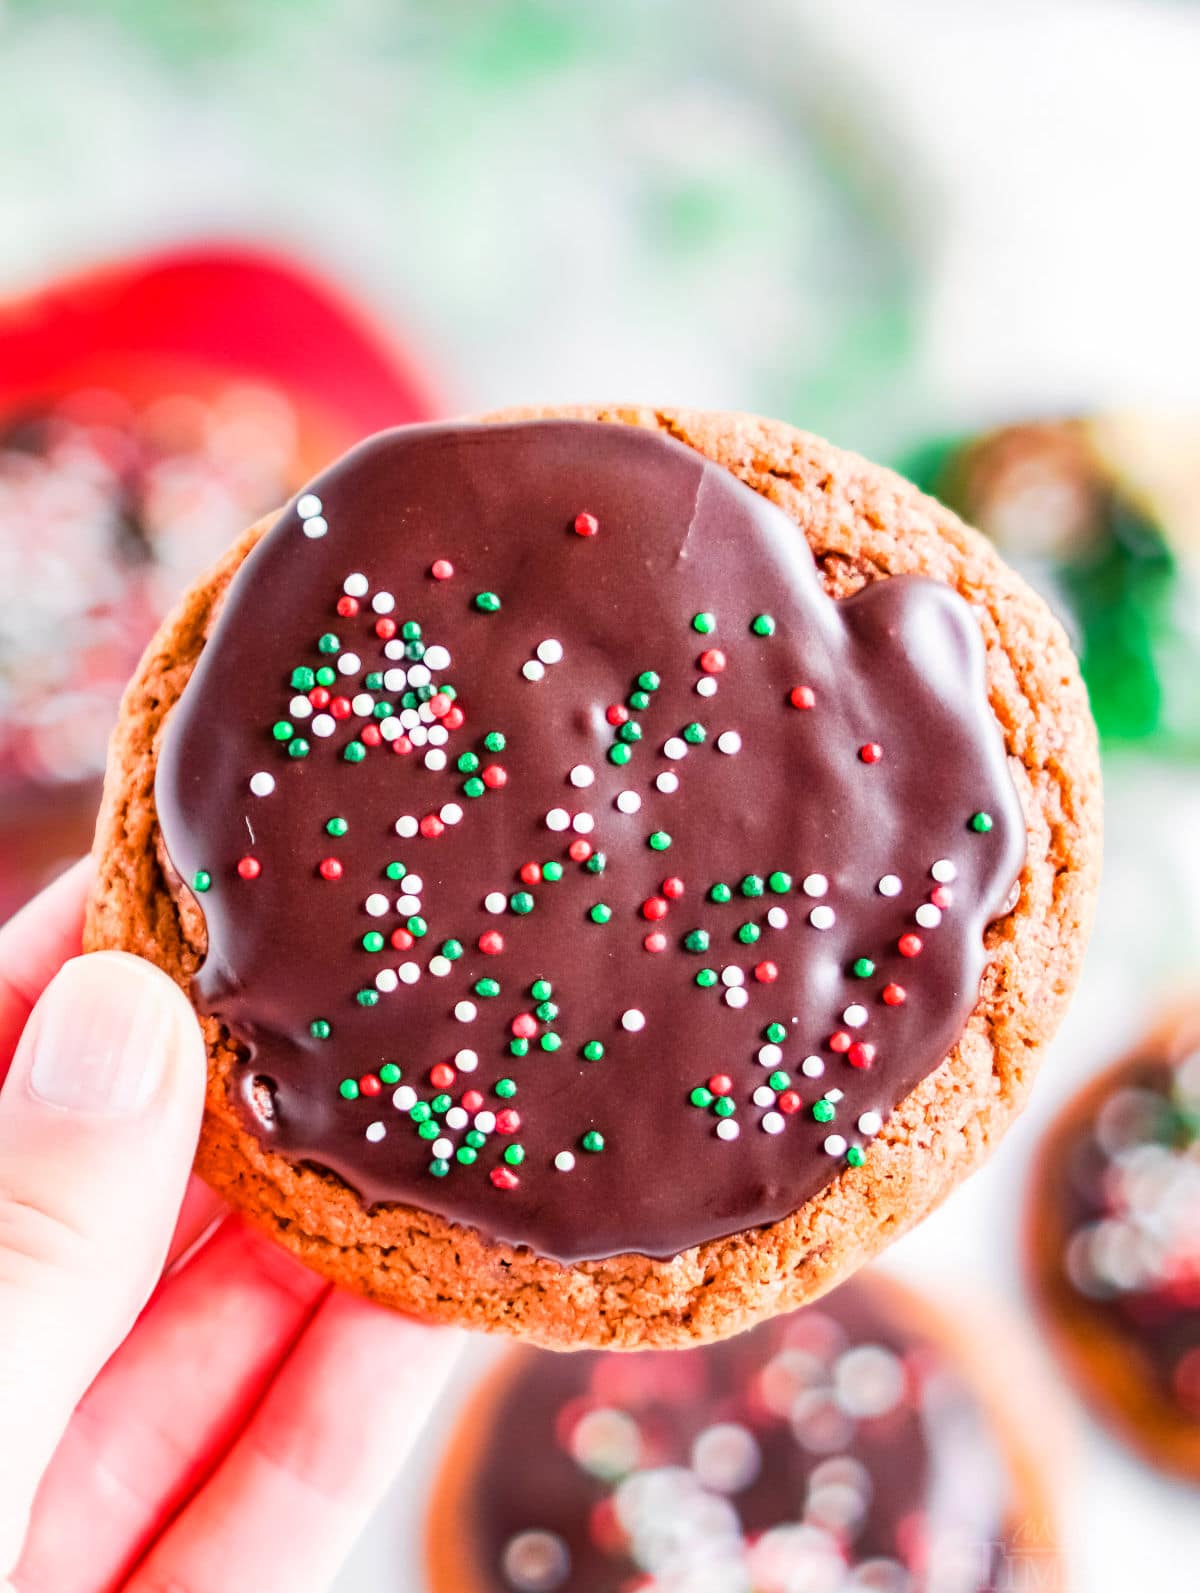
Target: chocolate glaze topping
(834,1448)
(842,768)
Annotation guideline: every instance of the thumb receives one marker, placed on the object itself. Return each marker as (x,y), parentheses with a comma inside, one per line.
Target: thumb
(98,1123)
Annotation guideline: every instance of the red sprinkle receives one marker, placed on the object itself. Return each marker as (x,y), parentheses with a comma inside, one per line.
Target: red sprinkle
(655,941)
(402,746)
(494,777)
(586,525)
(766,973)
(870,752)
(401,940)
(385,628)
(319,697)
(789,1102)
(861,1054)
(472,1101)
(491,942)
(616,714)
(329,868)
(432,826)
(370,736)
(347,606)
(654,908)
(909,945)
(439,705)
(454,718)
(339,707)
(839,1041)
(579,851)
(442,1075)
(508,1120)
(895,995)
(504,1178)
(712,661)
(524,1026)
(441,569)
(802,697)
(531,873)
(249,867)
(942,896)
(720,1084)
(673,887)
(369,1084)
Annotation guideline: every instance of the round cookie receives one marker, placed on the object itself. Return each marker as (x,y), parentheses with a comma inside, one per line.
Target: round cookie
(709,975)
(847,1445)
(1113,1243)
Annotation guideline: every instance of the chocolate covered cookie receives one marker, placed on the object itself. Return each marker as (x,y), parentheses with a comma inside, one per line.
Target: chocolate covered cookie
(626,862)
(846,1446)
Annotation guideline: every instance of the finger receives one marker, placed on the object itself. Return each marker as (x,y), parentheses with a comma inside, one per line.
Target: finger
(284,1509)
(98,1123)
(34,945)
(199,1215)
(165,1409)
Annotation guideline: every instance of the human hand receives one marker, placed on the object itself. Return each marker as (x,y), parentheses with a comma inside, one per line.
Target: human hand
(229,1436)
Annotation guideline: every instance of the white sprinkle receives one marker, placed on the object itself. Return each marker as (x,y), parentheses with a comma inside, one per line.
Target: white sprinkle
(675,747)
(770,1055)
(854,1016)
(550,651)
(409,718)
(395,679)
(315,526)
(583,824)
(495,902)
(727,1129)
(383,602)
(582,775)
(436,658)
(457,1117)
(564,1161)
(393,649)
(815,885)
(777,917)
(390,728)
(440,966)
(407,826)
(870,1123)
(737,997)
(812,1067)
(772,1123)
(465,1011)
(425,714)
(300,708)
(442,1149)
(262,783)
(729,741)
(928,916)
(833,1095)
(362,702)
(558,819)
(706,686)
(835,1145)
(375,1132)
(438,735)
(628,801)
(632,1020)
(533,670)
(418,675)
(418,735)
(405,1098)
(323,724)
(889,885)
(356,585)
(822,918)
(408,905)
(376,904)
(764,1095)
(944,871)
(466,1061)
(308,505)
(667,782)
(485,1122)
(409,973)
(435,759)
(386,981)
(732,976)
(451,813)
(349,664)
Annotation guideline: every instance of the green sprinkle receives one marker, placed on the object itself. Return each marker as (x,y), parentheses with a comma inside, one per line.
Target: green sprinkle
(762,625)
(696,940)
(596,864)
(494,741)
(429,1130)
(303,678)
(326,676)
(862,967)
(487,602)
(440,1104)
(752,885)
(600,913)
(550,1041)
(541,990)
(355,752)
(475,1139)
(372,941)
(630,731)
(660,840)
(706,978)
(648,680)
(981,823)
(855,1156)
(514,1155)
(348,1090)
(465,1155)
(395,871)
(420,1112)
(416,926)
(282,729)
(776,1033)
(373,680)
(439,1168)
(638,700)
(382,710)
(723,1106)
(447,690)
(694,733)
(506,1089)
(720,893)
(592,1141)
(779,1080)
(414,651)
(701,1096)
(409,700)
(328,643)
(201,880)
(367,998)
(468,763)
(336,827)
(320,1029)
(780,882)
(704,622)
(518,1047)
(452,949)
(521,902)
(389,1073)
(748,934)
(553,871)
(487,987)
(547,1011)
(474,787)
(619,753)
(410,631)
(593,1051)
(824,1111)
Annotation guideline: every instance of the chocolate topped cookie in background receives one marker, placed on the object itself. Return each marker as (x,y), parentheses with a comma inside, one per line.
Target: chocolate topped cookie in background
(848,1446)
(1113,1225)
(626,861)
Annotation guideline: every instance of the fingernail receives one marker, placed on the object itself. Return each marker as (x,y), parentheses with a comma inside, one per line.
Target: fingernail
(101,1035)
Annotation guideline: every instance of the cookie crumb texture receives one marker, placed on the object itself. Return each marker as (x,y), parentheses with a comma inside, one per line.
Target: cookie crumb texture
(618,668)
